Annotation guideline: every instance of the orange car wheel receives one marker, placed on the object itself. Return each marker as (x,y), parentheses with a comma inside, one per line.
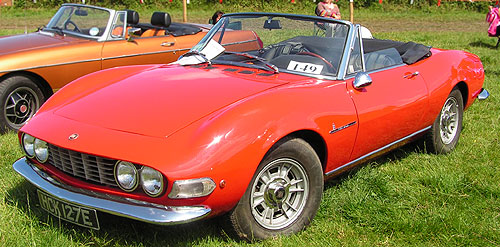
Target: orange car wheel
(20,98)
(284,194)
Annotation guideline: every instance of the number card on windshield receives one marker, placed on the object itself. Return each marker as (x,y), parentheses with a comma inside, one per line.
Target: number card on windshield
(305,67)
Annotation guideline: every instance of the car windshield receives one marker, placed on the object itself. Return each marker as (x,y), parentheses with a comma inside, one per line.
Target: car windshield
(305,45)
(80,20)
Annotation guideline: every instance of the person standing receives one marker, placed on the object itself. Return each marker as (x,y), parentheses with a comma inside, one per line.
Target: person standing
(327,8)
(216,17)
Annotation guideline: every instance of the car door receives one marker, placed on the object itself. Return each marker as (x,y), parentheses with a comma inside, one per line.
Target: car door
(120,50)
(147,50)
(390,108)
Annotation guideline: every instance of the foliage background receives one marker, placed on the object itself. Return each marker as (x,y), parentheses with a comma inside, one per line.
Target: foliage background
(263,4)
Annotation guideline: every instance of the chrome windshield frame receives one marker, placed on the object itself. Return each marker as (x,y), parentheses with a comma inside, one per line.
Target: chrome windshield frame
(351,38)
(348,41)
(106,32)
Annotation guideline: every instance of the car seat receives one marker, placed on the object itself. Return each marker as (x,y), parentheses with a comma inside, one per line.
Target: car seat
(160,22)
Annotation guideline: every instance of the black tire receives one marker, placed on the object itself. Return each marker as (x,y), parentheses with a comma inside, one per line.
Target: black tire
(279,195)
(445,132)
(20,98)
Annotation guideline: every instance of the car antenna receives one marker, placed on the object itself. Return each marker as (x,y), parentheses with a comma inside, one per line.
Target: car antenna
(26,22)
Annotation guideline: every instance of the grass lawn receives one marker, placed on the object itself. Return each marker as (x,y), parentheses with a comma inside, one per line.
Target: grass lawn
(406,198)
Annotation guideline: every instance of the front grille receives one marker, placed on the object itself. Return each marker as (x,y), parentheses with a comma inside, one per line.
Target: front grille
(91,168)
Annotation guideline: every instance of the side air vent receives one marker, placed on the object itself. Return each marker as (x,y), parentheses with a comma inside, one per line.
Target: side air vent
(247,72)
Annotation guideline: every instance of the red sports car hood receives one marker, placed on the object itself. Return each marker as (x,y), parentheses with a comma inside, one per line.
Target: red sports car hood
(31,41)
(160,101)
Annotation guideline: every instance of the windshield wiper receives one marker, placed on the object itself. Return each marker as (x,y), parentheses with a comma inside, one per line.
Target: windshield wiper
(271,67)
(196,53)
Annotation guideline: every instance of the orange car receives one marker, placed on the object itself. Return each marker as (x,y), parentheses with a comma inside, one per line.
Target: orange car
(81,39)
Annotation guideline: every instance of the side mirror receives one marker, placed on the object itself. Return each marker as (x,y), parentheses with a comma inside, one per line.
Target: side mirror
(133,33)
(361,80)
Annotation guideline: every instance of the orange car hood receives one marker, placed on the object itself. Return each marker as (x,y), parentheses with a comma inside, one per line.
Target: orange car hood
(160,101)
(32,41)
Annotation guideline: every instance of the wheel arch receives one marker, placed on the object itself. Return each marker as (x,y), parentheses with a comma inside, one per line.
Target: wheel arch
(37,79)
(313,138)
(464,90)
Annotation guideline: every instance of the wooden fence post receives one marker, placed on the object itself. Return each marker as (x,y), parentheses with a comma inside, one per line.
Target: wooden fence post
(351,8)
(184,9)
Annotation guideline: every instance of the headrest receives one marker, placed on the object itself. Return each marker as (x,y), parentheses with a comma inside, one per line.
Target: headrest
(132,17)
(161,19)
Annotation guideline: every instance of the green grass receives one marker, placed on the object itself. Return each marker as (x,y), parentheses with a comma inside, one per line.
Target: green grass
(406,198)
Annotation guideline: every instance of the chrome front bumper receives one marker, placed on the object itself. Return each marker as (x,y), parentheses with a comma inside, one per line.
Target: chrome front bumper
(126,207)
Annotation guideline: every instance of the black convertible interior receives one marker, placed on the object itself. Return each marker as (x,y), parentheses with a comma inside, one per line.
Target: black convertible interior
(160,24)
(306,49)
(410,52)
(328,51)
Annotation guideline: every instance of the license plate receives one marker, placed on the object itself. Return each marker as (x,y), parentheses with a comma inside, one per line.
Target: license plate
(75,214)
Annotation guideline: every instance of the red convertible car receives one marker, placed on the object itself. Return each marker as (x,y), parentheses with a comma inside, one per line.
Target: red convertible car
(248,132)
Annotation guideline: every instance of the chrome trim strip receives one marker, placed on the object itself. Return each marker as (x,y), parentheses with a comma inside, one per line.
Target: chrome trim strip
(322,77)
(362,54)
(285,15)
(240,42)
(46,33)
(335,130)
(85,5)
(125,207)
(50,65)
(141,54)
(377,151)
(377,70)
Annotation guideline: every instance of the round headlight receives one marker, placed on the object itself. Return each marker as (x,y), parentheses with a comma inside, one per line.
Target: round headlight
(29,145)
(151,181)
(41,150)
(126,175)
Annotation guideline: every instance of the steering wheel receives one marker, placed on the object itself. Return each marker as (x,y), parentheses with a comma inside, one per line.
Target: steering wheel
(330,65)
(282,48)
(76,29)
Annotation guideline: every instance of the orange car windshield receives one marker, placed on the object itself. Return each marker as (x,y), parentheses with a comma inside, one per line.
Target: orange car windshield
(83,21)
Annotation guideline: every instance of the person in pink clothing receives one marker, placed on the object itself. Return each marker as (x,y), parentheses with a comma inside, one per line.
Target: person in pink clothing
(327,8)
(494,19)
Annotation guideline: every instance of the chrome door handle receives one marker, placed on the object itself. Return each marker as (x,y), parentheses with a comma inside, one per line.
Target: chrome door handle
(167,44)
(411,75)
